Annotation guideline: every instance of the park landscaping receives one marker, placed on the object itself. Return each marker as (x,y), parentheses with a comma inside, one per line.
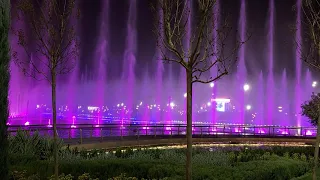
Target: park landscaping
(30,156)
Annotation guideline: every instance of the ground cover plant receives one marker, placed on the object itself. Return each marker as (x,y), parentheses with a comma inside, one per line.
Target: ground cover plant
(31,158)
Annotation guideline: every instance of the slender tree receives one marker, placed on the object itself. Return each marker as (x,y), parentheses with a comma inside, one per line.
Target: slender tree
(311,109)
(197,50)
(4,85)
(309,51)
(56,46)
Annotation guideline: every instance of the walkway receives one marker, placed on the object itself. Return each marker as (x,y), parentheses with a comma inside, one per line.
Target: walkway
(92,136)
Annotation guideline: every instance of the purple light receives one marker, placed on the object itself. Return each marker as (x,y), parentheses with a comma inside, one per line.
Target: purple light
(73,126)
(270,79)
(237,130)
(309,133)
(261,131)
(27,123)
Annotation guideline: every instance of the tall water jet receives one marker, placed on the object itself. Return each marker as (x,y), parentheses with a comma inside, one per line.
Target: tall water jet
(71,96)
(309,85)
(144,95)
(214,70)
(169,91)
(308,88)
(242,72)
(270,55)
(260,100)
(283,105)
(159,73)
(17,79)
(298,65)
(102,57)
(73,83)
(130,55)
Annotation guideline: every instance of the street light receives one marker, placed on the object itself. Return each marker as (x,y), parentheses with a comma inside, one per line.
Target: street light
(248,107)
(314,83)
(246,87)
(185,95)
(212,85)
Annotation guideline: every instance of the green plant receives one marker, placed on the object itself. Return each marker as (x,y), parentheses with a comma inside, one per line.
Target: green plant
(25,143)
(62,177)
(22,175)
(123,177)
(86,176)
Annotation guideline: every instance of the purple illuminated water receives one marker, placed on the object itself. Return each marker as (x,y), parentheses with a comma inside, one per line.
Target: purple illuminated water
(102,57)
(309,85)
(241,70)
(298,65)
(214,70)
(130,56)
(270,56)
(159,74)
(18,99)
(72,94)
(283,104)
(260,100)
(154,92)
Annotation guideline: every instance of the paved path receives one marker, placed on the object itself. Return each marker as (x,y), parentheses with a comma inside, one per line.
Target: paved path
(134,141)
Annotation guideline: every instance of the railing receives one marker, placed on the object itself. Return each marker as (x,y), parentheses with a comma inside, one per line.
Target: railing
(80,132)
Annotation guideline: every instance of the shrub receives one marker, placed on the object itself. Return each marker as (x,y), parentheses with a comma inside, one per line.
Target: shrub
(32,145)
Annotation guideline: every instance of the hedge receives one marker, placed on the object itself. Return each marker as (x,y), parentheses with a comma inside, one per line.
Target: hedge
(103,169)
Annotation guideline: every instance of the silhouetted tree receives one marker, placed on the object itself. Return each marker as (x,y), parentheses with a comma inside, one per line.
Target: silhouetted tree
(309,51)
(4,85)
(56,46)
(311,109)
(197,50)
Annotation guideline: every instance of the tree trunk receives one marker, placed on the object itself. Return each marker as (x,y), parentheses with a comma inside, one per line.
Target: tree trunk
(54,122)
(189,126)
(316,152)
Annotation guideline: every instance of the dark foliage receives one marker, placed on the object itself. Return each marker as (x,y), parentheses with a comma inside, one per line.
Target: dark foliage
(311,108)
(4,85)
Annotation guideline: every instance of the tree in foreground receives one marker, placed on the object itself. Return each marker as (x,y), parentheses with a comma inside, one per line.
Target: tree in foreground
(54,46)
(198,50)
(309,51)
(311,109)
(4,85)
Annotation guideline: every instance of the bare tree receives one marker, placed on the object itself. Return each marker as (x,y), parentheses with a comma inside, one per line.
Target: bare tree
(4,86)
(206,47)
(309,51)
(56,45)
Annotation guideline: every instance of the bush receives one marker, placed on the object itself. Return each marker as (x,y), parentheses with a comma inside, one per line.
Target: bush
(279,168)
(253,170)
(104,169)
(31,145)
